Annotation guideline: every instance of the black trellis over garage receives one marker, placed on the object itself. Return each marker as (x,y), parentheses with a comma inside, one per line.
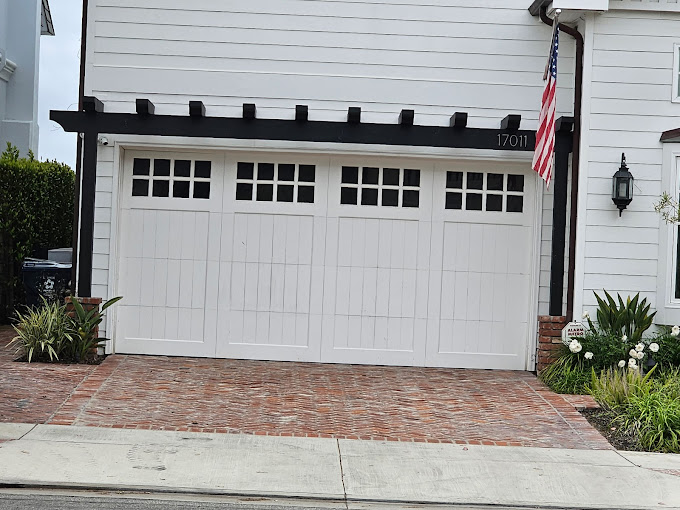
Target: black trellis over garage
(93,121)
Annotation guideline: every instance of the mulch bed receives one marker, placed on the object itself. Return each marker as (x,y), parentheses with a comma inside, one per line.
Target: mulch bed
(602,421)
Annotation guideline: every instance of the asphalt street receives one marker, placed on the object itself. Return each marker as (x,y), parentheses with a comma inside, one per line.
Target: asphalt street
(36,499)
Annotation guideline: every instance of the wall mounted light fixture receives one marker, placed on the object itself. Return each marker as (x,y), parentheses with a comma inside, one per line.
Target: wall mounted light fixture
(622,192)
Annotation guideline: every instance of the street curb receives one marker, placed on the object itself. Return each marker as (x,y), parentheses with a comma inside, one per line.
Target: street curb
(147,490)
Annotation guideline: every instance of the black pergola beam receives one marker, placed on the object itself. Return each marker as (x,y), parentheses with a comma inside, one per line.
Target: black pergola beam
(459,120)
(290,130)
(301,113)
(196,109)
(511,122)
(406,117)
(249,111)
(92,105)
(144,107)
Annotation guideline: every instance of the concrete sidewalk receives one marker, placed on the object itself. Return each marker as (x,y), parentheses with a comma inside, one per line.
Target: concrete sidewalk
(354,472)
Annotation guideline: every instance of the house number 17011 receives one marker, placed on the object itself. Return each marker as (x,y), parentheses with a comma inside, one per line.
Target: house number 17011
(507,140)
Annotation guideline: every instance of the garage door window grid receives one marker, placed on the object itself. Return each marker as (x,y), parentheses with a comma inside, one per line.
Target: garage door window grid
(176,178)
(480,191)
(275,182)
(386,187)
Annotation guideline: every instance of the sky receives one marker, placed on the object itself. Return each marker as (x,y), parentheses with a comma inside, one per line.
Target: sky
(58,87)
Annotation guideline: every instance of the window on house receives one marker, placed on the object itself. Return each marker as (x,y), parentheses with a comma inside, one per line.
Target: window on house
(275,182)
(166,177)
(383,187)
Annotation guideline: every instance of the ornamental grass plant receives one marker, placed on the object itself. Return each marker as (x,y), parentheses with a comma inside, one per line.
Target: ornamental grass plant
(645,406)
(50,333)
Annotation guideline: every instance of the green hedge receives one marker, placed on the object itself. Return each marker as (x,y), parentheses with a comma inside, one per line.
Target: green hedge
(36,211)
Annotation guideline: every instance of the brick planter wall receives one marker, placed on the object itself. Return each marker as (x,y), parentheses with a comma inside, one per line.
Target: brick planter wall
(549,339)
(88,304)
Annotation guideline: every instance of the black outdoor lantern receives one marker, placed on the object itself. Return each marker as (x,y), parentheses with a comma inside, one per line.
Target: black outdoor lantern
(622,193)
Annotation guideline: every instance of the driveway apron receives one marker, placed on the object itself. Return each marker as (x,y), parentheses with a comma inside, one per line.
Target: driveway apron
(296,399)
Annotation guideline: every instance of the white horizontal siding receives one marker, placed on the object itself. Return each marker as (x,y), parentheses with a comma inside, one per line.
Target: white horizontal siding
(629,109)
(483,57)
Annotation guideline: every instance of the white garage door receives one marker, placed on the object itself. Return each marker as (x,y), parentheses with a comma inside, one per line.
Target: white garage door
(348,260)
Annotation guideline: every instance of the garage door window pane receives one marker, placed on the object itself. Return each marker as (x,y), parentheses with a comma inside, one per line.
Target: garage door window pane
(161,167)
(140,188)
(286,172)
(412,178)
(201,190)
(515,203)
(307,173)
(369,175)
(265,192)
(390,197)
(182,168)
(202,169)
(284,193)
(265,171)
(180,189)
(244,171)
(494,202)
(244,191)
(348,196)
(306,194)
(411,198)
(391,176)
(515,183)
(494,182)
(141,166)
(369,196)
(454,200)
(454,180)
(350,175)
(473,202)
(161,188)
(475,180)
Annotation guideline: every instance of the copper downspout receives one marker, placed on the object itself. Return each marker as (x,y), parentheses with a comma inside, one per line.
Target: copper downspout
(578,96)
(79,152)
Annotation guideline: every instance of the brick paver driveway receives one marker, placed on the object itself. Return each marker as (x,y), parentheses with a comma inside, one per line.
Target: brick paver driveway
(300,399)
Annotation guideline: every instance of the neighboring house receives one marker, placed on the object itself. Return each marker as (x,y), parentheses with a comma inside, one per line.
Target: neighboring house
(22,22)
(351,182)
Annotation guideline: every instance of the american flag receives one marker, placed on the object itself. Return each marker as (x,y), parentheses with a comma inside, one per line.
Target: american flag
(545,136)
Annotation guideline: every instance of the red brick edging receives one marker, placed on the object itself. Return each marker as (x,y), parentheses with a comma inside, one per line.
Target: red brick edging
(549,339)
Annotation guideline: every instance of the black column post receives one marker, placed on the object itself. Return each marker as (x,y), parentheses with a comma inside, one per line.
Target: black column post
(562,151)
(86,244)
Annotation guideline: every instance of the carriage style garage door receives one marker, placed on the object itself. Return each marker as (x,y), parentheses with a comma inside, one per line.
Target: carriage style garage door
(313,258)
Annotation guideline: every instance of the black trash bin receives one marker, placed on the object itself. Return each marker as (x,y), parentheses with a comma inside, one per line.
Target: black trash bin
(45,278)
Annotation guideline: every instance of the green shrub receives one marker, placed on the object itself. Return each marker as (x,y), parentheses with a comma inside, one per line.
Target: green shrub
(568,374)
(669,349)
(630,318)
(36,210)
(43,332)
(85,325)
